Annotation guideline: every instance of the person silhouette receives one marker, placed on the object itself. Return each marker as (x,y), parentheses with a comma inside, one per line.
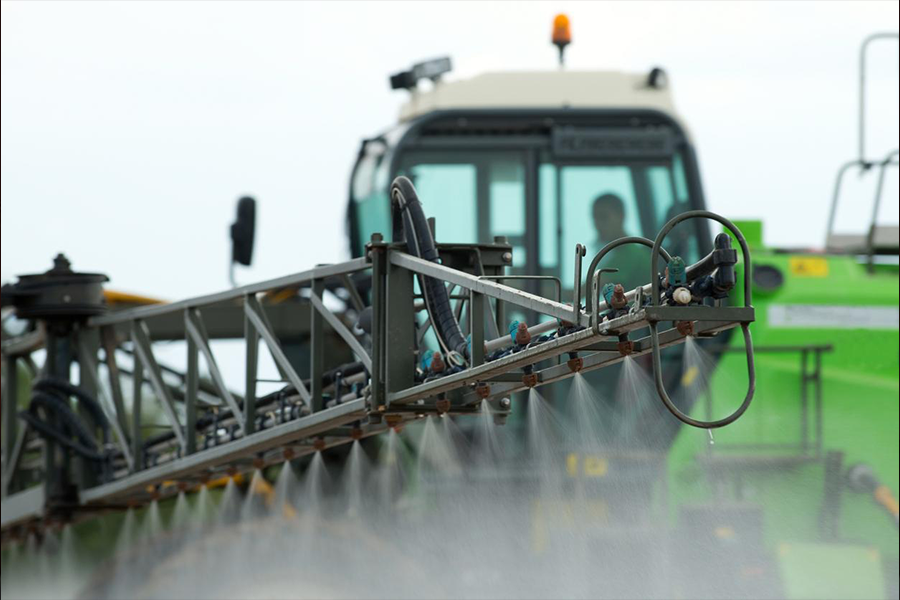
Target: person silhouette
(631,260)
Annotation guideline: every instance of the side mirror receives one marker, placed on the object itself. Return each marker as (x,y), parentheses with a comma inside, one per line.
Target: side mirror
(242,233)
(243,230)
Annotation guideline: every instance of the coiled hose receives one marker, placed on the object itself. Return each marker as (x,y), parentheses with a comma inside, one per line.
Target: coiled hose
(61,423)
(411,226)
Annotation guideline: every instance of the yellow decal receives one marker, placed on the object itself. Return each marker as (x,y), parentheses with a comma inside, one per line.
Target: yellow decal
(572,464)
(808,266)
(591,466)
(595,466)
(724,532)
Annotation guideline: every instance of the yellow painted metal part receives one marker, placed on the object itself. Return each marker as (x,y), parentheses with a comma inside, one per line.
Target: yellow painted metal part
(115,297)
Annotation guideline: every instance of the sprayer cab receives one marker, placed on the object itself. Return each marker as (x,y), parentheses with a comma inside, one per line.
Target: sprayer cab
(541,160)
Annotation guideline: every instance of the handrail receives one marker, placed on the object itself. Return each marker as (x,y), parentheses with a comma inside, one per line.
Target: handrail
(883,35)
(606,250)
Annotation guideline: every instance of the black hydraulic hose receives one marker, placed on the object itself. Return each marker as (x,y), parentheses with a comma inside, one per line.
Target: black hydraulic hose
(61,424)
(205,421)
(48,431)
(408,213)
(345,370)
(66,389)
(69,422)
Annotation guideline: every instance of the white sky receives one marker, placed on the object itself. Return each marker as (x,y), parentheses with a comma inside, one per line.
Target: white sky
(129,129)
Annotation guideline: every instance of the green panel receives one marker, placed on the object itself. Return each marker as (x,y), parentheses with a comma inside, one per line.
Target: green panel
(860,419)
(753,233)
(834,571)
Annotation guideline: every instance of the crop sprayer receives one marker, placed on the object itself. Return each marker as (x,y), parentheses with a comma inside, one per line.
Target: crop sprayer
(77,452)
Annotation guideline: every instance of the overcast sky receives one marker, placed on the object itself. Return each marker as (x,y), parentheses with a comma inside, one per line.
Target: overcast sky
(129,129)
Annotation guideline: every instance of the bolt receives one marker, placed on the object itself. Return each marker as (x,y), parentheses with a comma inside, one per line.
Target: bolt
(505,403)
(523,336)
(618,301)
(507,257)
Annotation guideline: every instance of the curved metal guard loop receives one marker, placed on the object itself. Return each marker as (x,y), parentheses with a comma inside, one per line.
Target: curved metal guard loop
(632,239)
(654,333)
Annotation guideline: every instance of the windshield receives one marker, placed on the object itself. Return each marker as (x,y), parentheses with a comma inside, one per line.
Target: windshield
(594,204)
(541,210)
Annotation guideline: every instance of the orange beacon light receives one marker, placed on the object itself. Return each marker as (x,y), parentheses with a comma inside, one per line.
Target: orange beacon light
(562,35)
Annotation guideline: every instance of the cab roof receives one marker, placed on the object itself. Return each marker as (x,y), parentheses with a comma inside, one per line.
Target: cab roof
(543,89)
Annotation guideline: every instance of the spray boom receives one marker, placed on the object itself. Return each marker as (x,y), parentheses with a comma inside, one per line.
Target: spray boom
(396,378)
